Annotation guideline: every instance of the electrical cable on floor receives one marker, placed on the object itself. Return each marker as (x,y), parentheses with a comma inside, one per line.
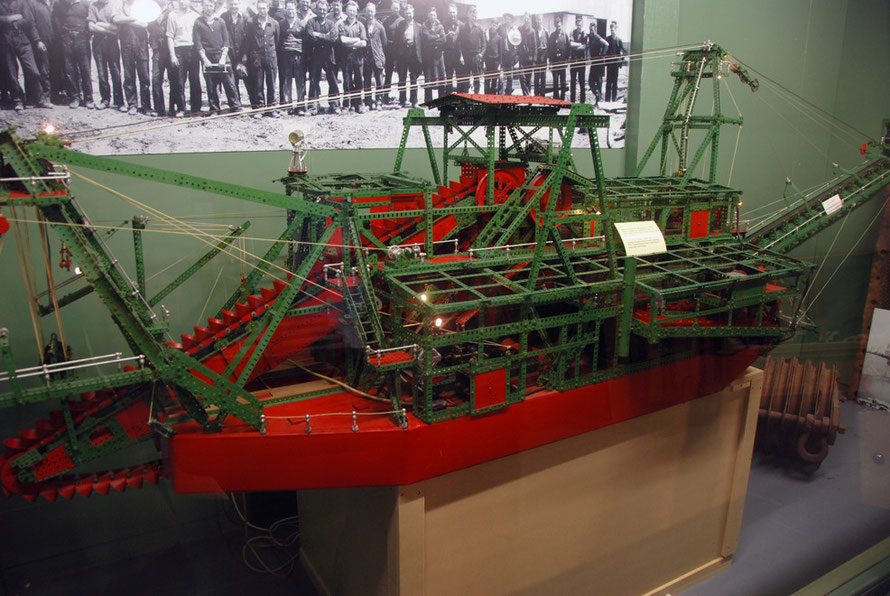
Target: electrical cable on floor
(269,539)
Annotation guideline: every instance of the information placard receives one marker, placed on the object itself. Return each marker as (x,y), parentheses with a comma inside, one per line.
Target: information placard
(641,238)
(832,204)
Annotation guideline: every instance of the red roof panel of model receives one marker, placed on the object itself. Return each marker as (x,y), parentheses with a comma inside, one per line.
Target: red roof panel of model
(528,100)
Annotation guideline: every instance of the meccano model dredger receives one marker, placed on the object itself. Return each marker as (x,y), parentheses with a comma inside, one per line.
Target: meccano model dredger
(402,328)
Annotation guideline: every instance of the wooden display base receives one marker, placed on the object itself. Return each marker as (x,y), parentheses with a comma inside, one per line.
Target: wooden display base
(649,505)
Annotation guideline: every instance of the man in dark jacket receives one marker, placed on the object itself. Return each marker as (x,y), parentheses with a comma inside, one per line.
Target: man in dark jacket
(453,62)
(510,41)
(160,61)
(577,51)
(409,60)
(18,37)
(492,60)
(558,51)
(391,23)
(237,25)
(596,49)
(527,54)
(354,39)
(71,25)
(261,55)
(212,44)
(133,35)
(278,12)
(107,54)
(542,39)
(292,55)
(471,41)
(319,30)
(337,16)
(45,52)
(614,51)
(432,48)
(375,57)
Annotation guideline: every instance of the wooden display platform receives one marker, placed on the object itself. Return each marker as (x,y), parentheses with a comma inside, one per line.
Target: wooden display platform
(649,505)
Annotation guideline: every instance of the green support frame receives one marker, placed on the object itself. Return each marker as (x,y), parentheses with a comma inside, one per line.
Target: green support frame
(459,278)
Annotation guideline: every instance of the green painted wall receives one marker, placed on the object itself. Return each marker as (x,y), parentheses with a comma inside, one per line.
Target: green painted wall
(816,59)
(835,53)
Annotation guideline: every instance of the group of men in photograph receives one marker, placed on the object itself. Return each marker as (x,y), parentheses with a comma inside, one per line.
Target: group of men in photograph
(148,52)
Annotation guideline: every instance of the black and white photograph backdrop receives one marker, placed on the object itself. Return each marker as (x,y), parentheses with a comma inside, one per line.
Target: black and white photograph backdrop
(875,381)
(164,76)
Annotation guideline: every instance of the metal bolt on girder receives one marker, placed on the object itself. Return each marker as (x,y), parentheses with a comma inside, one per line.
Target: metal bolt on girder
(308,426)
(354,422)
(878,458)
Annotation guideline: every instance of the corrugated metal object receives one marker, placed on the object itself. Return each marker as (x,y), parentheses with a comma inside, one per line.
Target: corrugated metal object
(799,409)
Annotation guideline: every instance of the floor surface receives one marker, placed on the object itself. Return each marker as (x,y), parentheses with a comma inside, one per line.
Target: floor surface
(797,528)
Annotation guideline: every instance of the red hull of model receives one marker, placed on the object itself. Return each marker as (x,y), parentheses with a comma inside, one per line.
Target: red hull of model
(380,453)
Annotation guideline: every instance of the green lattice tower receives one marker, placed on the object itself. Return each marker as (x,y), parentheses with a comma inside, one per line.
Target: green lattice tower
(680,120)
(508,130)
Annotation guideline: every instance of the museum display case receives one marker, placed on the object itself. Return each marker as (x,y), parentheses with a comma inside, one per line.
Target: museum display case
(499,298)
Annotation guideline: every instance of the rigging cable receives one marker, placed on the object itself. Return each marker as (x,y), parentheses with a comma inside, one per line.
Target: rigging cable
(51,285)
(805,194)
(849,138)
(24,265)
(211,235)
(738,135)
(813,144)
(210,294)
(846,256)
(201,235)
(825,257)
(346,386)
(803,100)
